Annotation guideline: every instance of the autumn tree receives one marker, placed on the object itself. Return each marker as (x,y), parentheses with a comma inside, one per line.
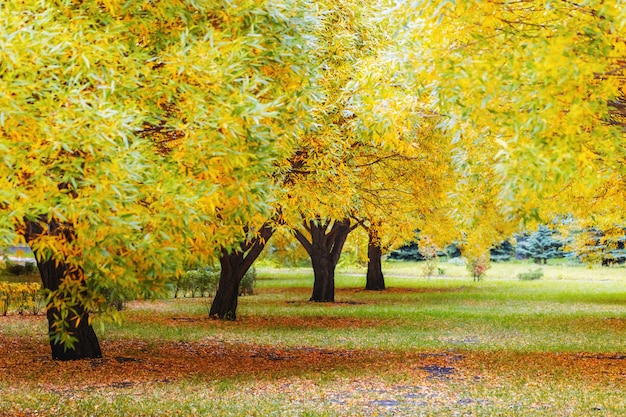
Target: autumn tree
(136,134)
(401,193)
(372,151)
(234,263)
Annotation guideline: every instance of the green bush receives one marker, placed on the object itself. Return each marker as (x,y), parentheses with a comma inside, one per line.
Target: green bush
(15,268)
(201,281)
(204,281)
(246,286)
(117,297)
(531,275)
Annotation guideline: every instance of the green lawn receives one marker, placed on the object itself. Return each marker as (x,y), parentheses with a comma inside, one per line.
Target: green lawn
(443,345)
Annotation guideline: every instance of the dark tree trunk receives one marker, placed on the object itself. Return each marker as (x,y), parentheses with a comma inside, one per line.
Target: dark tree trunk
(53,273)
(224,305)
(324,249)
(324,282)
(375,280)
(234,265)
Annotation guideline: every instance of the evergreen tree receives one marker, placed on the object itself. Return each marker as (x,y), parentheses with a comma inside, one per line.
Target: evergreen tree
(541,245)
(502,252)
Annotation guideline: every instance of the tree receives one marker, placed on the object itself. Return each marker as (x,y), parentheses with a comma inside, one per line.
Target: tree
(320,196)
(324,247)
(54,275)
(234,264)
(374,154)
(592,245)
(374,278)
(401,191)
(504,251)
(540,245)
(138,135)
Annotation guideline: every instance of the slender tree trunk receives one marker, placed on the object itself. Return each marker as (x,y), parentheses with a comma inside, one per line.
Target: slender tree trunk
(375,280)
(53,273)
(324,249)
(234,265)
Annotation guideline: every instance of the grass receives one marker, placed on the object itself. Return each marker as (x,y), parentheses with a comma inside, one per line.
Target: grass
(443,345)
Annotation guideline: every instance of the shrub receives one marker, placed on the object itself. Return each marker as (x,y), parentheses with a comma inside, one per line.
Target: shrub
(246,286)
(478,267)
(117,297)
(202,281)
(16,268)
(24,298)
(531,275)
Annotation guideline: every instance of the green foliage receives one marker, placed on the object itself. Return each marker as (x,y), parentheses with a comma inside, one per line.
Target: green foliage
(412,252)
(204,281)
(17,268)
(116,297)
(531,275)
(201,281)
(502,252)
(248,282)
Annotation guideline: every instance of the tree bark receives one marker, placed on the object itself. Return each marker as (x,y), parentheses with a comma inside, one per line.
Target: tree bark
(234,265)
(375,280)
(324,248)
(53,272)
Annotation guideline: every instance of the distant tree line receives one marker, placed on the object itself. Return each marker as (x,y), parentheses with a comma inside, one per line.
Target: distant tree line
(588,246)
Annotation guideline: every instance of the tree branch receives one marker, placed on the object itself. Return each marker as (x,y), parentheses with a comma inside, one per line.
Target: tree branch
(308,247)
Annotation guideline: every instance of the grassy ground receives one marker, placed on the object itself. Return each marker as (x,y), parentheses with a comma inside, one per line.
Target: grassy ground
(439,346)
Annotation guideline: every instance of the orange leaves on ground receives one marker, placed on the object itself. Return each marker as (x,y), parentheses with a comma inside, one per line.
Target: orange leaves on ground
(133,362)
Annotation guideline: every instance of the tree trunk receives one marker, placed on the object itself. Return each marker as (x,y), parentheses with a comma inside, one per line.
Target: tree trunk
(53,272)
(324,249)
(324,282)
(224,305)
(234,265)
(375,280)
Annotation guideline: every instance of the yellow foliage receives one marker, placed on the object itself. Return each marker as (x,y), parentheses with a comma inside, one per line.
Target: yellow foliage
(23,298)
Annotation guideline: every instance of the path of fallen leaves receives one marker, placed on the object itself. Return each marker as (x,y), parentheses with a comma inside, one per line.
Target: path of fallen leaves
(379,376)
(26,360)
